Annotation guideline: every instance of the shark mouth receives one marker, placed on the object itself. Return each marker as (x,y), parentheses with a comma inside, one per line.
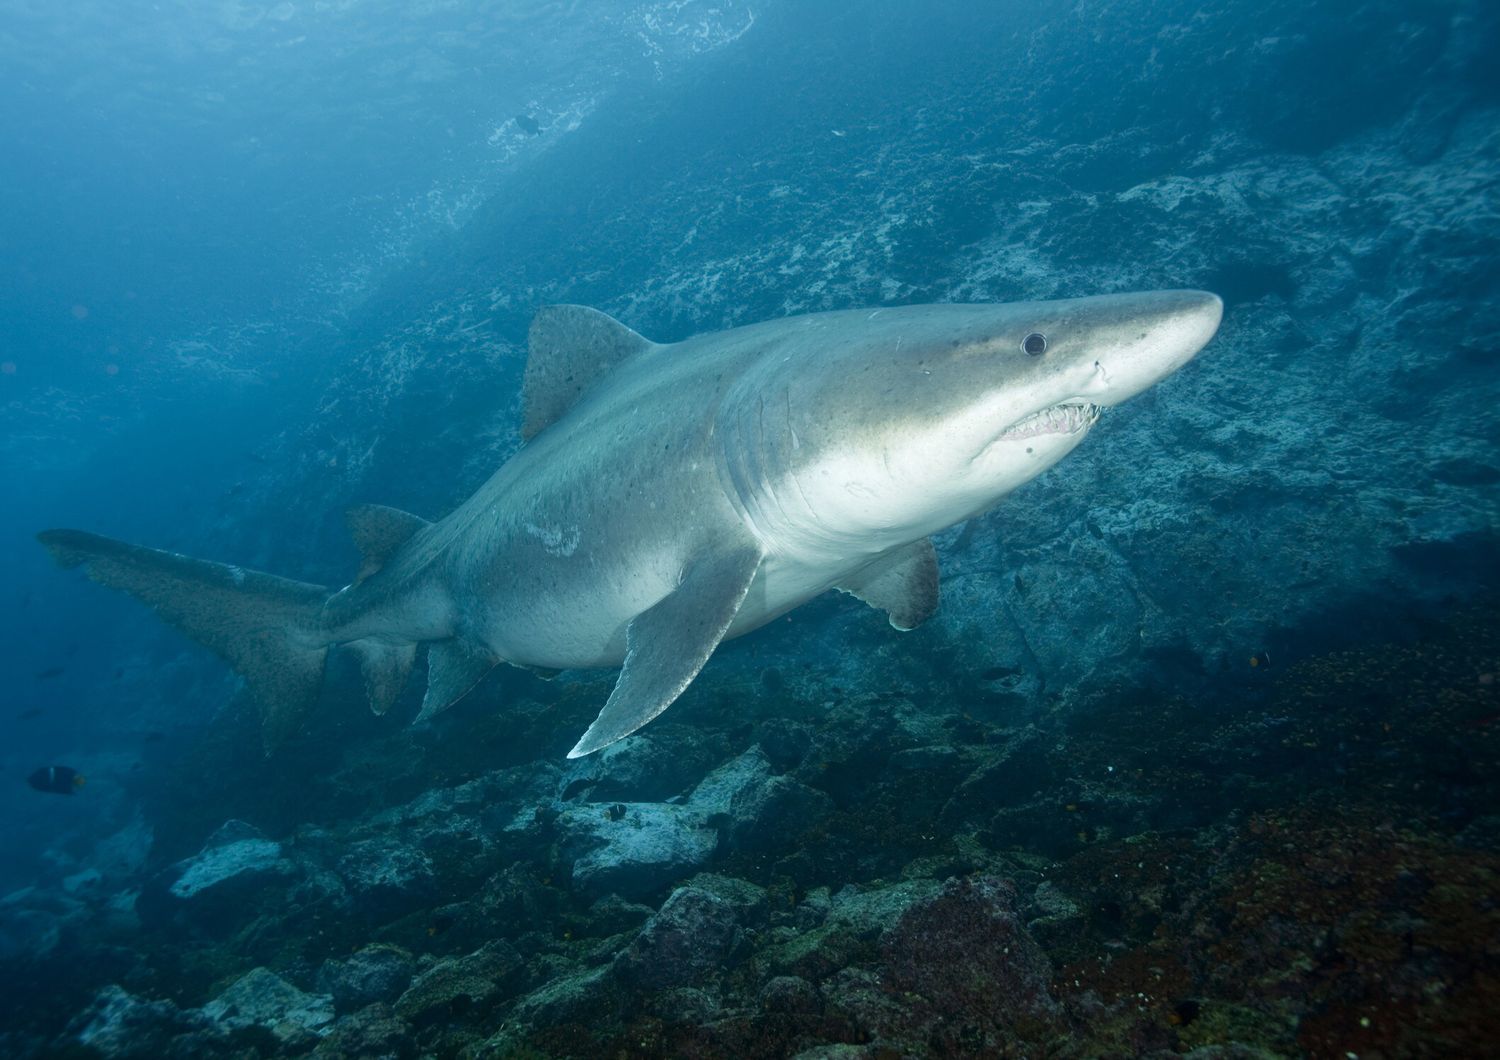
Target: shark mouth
(1055,419)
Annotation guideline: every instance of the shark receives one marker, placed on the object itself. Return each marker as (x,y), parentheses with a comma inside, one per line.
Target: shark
(670,496)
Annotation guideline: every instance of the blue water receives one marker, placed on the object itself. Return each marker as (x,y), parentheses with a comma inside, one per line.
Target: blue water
(260,262)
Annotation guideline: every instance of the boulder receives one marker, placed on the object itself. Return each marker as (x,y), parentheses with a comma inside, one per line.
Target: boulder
(236,860)
(834,931)
(589,997)
(691,937)
(789,994)
(261,998)
(640,769)
(966,951)
(378,973)
(749,901)
(612,915)
(236,875)
(87,881)
(121,1026)
(633,848)
(32,921)
(687,1006)
(753,807)
(1052,916)
(732,782)
(372,1033)
(386,878)
(457,984)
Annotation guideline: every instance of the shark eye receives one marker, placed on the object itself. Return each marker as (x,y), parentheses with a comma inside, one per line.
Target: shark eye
(1035,344)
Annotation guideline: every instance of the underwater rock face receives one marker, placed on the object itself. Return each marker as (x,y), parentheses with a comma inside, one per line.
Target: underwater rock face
(1336,444)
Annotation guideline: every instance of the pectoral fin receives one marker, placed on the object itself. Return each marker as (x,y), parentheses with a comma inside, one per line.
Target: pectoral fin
(666,646)
(903,583)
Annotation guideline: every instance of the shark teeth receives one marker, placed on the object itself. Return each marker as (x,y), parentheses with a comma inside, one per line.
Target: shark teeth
(1055,419)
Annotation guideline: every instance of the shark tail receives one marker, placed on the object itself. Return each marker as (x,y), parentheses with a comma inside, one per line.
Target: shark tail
(267,628)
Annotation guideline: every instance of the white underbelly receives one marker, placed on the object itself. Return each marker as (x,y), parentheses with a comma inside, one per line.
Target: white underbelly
(781,585)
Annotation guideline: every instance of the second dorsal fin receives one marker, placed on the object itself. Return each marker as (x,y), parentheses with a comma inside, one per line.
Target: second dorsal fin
(571,348)
(378,532)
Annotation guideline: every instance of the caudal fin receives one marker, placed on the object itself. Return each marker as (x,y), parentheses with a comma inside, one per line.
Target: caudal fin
(265,627)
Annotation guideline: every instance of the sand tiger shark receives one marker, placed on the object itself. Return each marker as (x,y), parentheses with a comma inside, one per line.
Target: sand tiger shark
(671,496)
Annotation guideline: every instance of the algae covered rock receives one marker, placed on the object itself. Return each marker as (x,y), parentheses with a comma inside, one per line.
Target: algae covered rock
(966,951)
(457,984)
(688,940)
(789,994)
(372,1033)
(573,998)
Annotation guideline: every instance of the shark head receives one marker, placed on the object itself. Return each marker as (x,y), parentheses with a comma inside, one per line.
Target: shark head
(895,423)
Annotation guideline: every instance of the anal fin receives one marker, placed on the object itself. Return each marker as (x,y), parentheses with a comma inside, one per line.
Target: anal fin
(903,583)
(668,644)
(385,668)
(454,667)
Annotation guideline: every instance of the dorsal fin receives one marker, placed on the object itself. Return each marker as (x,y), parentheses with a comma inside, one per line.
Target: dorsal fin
(378,532)
(572,348)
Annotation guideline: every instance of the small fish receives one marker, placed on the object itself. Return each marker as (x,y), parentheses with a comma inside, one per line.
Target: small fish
(1259,659)
(49,673)
(56,780)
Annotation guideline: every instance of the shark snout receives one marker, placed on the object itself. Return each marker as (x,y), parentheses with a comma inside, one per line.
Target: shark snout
(1162,331)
